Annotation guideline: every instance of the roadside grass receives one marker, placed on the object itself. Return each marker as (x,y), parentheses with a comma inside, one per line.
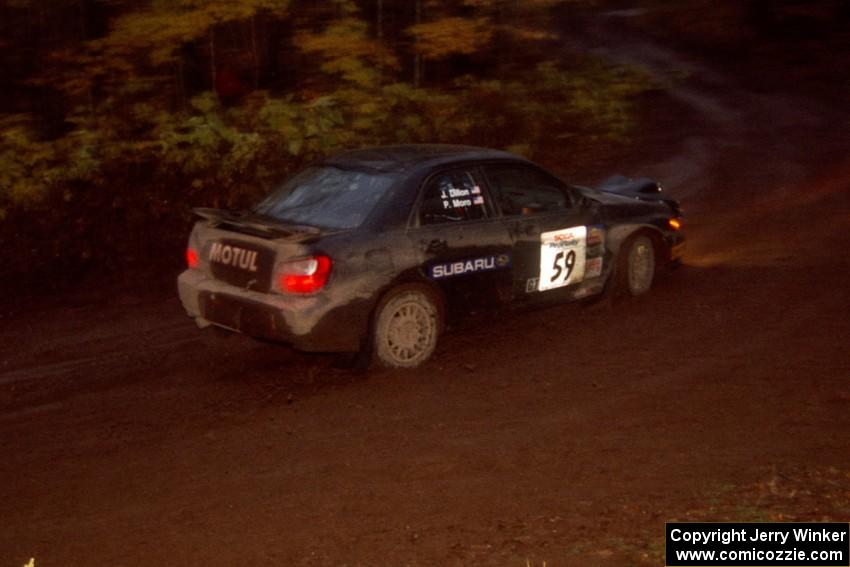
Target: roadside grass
(797,495)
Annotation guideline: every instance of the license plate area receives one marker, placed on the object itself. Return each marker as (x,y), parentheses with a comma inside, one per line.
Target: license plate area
(249,317)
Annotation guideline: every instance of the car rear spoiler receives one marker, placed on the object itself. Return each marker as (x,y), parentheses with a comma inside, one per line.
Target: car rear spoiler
(643,188)
(251,223)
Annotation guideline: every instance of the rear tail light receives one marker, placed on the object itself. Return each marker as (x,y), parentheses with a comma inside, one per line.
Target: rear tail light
(674,223)
(192,258)
(307,275)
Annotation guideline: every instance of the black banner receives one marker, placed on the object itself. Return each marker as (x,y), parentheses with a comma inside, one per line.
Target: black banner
(757,544)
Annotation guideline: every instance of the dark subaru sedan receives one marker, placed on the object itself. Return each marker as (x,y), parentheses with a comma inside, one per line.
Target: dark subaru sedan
(369,251)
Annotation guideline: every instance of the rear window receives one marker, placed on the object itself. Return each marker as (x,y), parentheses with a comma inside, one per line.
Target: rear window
(326,197)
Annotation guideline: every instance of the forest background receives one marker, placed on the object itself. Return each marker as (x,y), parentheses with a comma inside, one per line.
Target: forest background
(118,116)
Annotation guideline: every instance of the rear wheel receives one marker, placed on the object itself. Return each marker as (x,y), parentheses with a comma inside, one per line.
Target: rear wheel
(407,324)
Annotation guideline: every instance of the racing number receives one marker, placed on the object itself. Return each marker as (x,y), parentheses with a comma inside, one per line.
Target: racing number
(569,264)
(562,257)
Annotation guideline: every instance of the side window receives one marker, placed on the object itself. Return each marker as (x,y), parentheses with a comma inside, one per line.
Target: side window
(452,196)
(523,190)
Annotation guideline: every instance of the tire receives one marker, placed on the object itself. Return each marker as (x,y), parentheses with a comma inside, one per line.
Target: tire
(406,327)
(636,266)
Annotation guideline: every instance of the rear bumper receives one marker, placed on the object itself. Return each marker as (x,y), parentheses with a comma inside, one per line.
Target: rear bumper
(307,323)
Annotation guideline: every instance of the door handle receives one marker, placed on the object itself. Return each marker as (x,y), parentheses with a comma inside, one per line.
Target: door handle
(434,246)
(526,229)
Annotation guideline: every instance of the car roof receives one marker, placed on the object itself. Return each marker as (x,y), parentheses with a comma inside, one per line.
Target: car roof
(409,157)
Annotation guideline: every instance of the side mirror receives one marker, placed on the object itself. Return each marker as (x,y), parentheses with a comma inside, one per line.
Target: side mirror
(588,204)
(580,201)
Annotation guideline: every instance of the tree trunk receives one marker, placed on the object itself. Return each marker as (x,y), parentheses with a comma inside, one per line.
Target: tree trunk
(83,37)
(254,53)
(82,15)
(181,81)
(500,52)
(379,33)
(213,72)
(417,58)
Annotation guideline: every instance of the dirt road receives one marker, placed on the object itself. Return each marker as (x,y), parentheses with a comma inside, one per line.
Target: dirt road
(567,435)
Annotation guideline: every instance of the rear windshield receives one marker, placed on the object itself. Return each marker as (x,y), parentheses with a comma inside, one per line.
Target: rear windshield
(326,197)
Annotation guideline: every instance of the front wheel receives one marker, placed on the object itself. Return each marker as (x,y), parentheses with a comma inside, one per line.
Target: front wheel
(636,266)
(407,324)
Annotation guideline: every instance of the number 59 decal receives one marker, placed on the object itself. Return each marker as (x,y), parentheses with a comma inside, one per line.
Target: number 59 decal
(562,259)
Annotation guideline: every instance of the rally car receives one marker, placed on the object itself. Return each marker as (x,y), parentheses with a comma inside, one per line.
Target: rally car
(371,250)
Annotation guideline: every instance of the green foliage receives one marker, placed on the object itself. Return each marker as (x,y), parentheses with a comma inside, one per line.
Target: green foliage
(551,105)
(346,50)
(160,30)
(30,168)
(140,145)
(219,148)
(451,36)
(25,169)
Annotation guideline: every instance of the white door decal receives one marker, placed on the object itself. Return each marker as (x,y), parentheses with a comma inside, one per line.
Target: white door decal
(562,257)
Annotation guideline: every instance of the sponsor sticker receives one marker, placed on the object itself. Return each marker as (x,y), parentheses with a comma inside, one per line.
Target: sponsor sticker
(235,256)
(593,268)
(457,194)
(469,266)
(595,235)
